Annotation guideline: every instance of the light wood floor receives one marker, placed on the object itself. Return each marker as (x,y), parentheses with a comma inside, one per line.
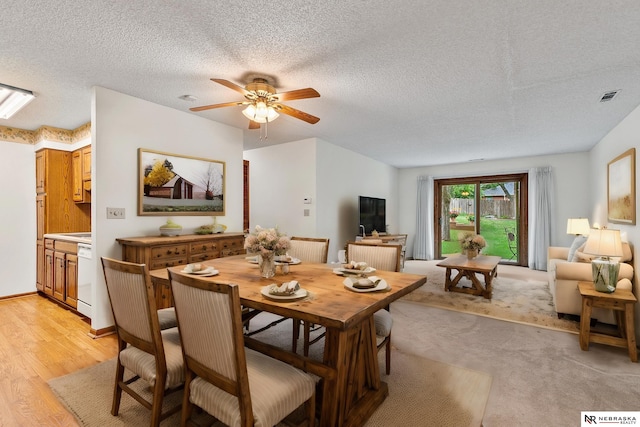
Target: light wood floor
(40,340)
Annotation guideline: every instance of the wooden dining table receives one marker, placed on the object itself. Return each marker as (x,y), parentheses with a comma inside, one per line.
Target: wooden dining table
(351,387)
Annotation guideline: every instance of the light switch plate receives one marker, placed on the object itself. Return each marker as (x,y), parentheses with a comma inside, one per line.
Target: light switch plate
(115,213)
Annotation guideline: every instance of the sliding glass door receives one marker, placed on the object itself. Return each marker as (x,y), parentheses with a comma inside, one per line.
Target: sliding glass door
(493,206)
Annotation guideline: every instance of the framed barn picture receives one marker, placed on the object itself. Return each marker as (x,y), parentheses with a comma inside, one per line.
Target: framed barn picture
(621,188)
(171,184)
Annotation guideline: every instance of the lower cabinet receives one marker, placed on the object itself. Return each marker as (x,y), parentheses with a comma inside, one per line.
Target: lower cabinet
(60,273)
(48,272)
(71,280)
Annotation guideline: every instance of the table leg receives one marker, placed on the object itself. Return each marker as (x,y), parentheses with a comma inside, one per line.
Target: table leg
(448,283)
(358,390)
(585,322)
(629,331)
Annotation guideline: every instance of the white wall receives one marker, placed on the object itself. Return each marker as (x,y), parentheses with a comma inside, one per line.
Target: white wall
(623,137)
(120,125)
(280,178)
(572,193)
(17,219)
(343,175)
(331,176)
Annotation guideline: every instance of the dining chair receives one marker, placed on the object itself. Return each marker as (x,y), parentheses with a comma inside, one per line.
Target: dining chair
(237,385)
(307,249)
(153,355)
(401,239)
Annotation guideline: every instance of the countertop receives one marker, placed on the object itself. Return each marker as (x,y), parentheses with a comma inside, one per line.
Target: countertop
(82,237)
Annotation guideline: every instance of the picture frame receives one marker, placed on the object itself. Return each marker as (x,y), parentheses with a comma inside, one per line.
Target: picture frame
(621,188)
(173,185)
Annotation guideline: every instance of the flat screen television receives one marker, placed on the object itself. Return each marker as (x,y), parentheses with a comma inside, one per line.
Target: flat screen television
(372,214)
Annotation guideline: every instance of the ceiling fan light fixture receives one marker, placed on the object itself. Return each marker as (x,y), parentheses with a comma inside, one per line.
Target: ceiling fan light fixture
(260,112)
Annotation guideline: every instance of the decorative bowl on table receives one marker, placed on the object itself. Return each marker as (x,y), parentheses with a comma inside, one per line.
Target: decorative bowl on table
(170,229)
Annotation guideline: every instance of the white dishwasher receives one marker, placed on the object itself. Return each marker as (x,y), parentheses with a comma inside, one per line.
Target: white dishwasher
(85,291)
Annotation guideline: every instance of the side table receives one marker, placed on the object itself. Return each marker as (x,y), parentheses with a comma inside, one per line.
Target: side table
(621,302)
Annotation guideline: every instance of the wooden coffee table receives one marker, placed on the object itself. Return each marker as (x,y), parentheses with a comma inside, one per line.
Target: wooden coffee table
(484,265)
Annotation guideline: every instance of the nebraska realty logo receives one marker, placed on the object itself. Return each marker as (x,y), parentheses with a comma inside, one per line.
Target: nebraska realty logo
(626,418)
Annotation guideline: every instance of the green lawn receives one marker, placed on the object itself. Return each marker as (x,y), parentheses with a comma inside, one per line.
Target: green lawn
(493,230)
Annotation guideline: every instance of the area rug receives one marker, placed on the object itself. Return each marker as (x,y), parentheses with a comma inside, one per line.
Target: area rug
(519,295)
(419,389)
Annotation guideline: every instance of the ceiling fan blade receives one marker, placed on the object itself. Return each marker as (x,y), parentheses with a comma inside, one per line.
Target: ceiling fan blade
(224,104)
(232,86)
(296,113)
(254,125)
(297,94)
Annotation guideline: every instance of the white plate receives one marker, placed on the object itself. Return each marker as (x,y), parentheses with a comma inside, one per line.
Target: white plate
(210,271)
(294,261)
(381,286)
(300,293)
(368,270)
(252,259)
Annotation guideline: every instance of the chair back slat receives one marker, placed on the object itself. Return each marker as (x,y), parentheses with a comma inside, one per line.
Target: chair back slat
(309,249)
(129,296)
(210,323)
(384,257)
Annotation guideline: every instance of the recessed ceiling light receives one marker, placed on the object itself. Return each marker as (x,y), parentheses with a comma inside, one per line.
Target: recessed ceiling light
(608,96)
(12,99)
(189,98)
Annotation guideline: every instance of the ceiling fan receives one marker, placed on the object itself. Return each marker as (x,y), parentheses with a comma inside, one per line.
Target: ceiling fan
(264,103)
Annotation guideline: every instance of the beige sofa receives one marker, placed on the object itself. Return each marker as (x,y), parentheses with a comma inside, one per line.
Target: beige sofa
(564,276)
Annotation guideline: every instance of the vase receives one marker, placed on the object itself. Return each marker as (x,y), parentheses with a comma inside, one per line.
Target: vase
(472,253)
(267,265)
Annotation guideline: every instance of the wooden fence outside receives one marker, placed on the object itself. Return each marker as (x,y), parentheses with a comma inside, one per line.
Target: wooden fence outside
(498,208)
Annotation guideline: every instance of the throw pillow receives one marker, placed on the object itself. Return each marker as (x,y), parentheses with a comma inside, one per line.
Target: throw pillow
(577,242)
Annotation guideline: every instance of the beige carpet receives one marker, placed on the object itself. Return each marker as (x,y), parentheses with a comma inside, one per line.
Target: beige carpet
(520,295)
(419,389)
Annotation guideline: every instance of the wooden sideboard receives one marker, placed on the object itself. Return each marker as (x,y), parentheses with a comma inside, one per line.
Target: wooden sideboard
(162,252)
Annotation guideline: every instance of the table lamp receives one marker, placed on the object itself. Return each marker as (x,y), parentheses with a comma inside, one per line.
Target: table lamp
(604,243)
(578,226)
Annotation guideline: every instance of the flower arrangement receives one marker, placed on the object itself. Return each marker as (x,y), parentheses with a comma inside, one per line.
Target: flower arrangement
(471,241)
(264,240)
(453,214)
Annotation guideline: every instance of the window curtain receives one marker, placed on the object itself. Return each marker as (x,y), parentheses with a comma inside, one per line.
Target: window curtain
(541,217)
(423,243)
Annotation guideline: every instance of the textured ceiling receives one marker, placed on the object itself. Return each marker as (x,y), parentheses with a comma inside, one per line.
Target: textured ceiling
(409,83)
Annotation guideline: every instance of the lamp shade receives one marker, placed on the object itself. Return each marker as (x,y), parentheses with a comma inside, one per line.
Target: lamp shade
(578,226)
(604,242)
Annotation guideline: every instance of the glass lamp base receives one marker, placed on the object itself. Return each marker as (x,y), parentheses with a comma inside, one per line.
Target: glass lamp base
(605,275)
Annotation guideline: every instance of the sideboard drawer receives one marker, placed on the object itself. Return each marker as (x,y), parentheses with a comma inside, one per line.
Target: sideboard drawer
(204,256)
(204,246)
(169,251)
(164,263)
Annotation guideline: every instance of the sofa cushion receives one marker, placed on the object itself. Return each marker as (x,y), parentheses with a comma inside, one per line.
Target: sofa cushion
(577,243)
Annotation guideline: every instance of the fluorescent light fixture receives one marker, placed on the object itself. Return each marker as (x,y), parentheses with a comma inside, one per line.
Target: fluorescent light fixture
(12,99)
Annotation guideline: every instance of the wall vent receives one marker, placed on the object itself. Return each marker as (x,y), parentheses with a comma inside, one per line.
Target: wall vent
(608,96)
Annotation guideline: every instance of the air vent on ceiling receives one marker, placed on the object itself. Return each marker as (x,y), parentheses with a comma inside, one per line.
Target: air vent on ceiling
(608,96)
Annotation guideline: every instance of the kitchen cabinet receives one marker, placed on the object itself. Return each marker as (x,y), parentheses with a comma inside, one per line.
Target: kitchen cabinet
(55,211)
(71,280)
(47,284)
(162,252)
(86,164)
(64,283)
(81,183)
